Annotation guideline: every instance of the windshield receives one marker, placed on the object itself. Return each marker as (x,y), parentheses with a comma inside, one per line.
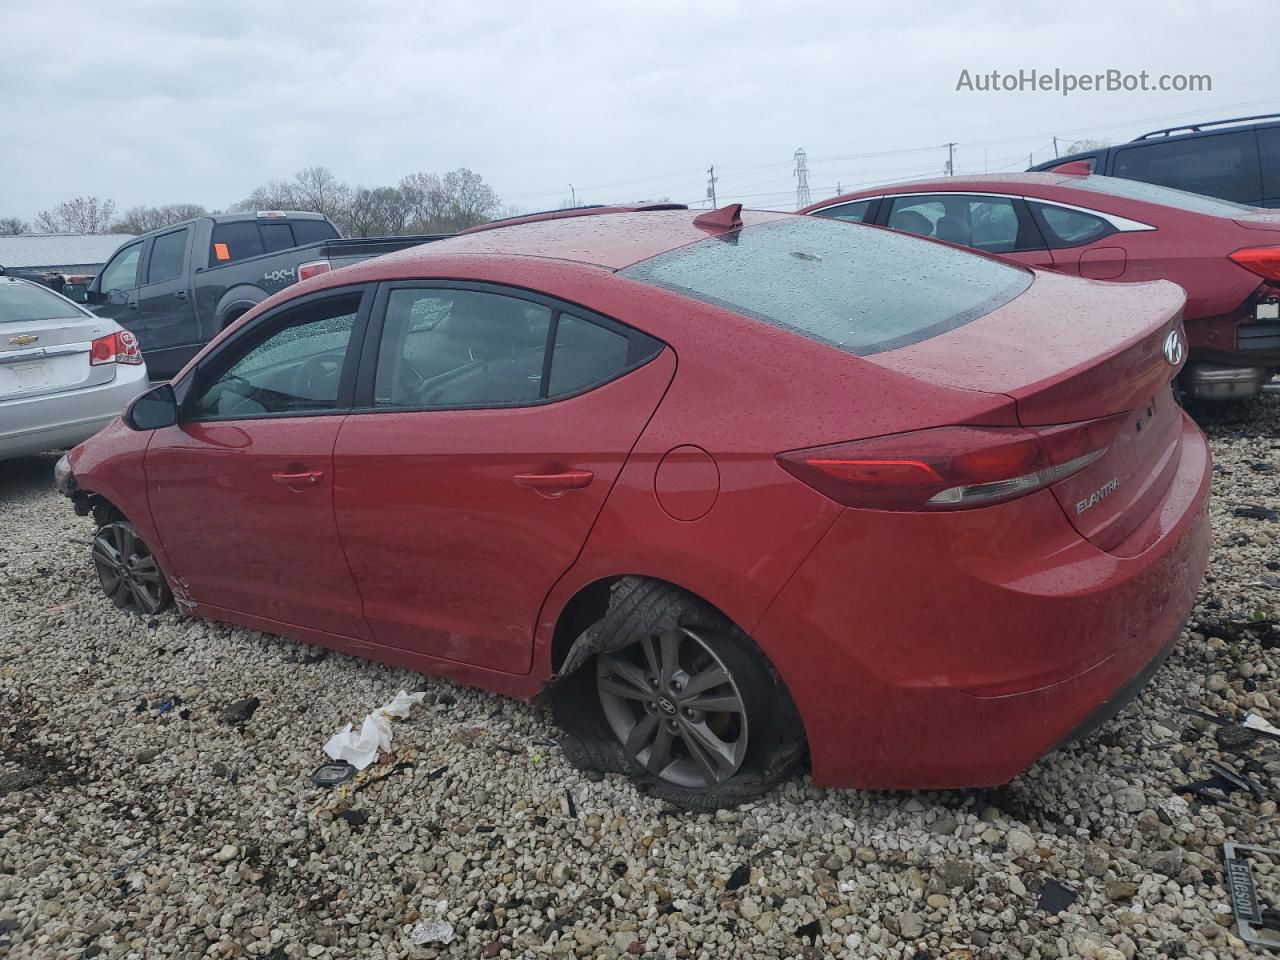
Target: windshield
(857,288)
(1165,196)
(26,301)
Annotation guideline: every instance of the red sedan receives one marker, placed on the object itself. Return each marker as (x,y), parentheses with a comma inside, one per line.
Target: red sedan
(729,487)
(1225,255)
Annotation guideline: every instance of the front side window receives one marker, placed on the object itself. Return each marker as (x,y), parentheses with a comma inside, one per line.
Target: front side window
(855,212)
(291,363)
(860,291)
(1223,165)
(460,348)
(168,252)
(235,241)
(122,272)
(1071,228)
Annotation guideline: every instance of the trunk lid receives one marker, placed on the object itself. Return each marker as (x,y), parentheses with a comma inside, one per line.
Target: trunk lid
(48,354)
(1067,351)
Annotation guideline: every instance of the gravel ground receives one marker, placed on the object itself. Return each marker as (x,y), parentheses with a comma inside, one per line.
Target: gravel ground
(132,830)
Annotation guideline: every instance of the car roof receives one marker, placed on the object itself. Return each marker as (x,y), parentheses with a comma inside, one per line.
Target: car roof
(605,238)
(987,181)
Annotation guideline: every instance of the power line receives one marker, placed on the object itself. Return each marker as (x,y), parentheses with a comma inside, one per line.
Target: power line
(711,186)
(802,179)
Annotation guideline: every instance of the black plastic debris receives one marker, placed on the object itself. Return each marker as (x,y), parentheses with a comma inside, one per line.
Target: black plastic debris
(1055,898)
(240,711)
(811,930)
(1254,512)
(573,807)
(357,818)
(398,768)
(332,774)
(741,874)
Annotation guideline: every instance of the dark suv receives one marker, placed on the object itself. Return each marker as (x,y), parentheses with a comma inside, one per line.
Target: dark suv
(1232,159)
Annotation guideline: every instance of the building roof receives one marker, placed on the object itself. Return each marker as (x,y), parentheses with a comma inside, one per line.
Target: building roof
(58,249)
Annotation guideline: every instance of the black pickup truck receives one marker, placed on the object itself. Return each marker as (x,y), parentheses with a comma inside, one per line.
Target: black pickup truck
(177,287)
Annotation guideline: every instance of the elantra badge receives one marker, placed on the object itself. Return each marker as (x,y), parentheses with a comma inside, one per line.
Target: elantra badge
(1095,498)
(1173,348)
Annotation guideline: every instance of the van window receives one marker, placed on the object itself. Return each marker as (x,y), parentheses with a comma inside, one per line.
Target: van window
(1224,165)
(1269,154)
(235,241)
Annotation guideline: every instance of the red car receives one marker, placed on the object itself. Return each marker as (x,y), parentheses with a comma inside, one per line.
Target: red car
(1225,255)
(728,485)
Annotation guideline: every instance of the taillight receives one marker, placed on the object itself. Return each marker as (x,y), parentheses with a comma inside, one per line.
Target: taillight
(313,269)
(121,347)
(950,468)
(1264,261)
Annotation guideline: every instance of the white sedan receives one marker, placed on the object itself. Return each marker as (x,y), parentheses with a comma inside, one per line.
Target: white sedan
(65,373)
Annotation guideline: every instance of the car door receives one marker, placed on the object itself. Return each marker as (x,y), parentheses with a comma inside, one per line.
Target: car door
(166,321)
(468,482)
(999,225)
(241,489)
(115,293)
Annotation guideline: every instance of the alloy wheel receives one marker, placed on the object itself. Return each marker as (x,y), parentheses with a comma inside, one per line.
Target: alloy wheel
(675,708)
(127,570)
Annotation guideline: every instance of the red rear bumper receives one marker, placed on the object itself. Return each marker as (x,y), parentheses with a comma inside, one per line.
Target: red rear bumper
(931,651)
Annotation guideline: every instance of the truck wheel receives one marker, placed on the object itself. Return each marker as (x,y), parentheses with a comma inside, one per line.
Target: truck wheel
(680,700)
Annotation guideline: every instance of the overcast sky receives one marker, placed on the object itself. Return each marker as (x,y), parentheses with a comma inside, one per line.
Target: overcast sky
(152,103)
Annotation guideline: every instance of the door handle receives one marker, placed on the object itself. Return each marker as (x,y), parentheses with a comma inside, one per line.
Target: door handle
(298,479)
(133,304)
(180,296)
(554,484)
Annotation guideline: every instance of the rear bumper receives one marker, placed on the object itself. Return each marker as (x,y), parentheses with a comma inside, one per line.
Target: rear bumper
(1217,381)
(58,420)
(954,650)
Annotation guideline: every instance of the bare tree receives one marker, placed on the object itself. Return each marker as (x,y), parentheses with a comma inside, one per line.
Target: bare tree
(78,215)
(468,199)
(382,211)
(143,219)
(1084,146)
(12,226)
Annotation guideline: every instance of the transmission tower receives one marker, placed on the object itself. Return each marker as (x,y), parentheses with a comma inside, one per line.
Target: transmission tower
(711,185)
(802,179)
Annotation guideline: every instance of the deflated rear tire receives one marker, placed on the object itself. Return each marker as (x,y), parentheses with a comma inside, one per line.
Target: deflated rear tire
(680,700)
(130,576)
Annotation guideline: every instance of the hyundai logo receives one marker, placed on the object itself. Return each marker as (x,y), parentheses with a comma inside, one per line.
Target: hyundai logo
(1173,348)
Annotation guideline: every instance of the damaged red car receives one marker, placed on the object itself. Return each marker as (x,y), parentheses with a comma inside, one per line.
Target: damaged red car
(729,488)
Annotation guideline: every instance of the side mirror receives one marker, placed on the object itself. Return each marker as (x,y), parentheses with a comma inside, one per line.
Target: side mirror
(153,410)
(78,292)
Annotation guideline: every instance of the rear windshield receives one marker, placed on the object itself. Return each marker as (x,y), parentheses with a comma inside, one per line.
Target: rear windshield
(1165,196)
(26,301)
(857,288)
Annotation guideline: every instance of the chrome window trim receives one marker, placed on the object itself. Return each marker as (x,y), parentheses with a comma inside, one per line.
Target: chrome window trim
(1121,224)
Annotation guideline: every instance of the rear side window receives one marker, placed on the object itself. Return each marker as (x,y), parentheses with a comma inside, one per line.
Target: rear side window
(26,301)
(584,354)
(235,241)
(1224,165)
(855,212)
(309,231)
(861,291)
(168,251)
(276,236)
(1071,228)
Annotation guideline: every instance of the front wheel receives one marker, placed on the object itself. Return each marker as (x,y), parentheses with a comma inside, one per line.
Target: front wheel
(128,571)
